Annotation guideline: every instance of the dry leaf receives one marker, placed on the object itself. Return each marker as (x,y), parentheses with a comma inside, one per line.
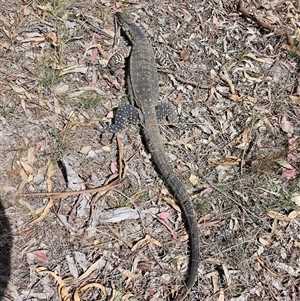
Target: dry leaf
(206,191)
(286,125)
(296,198)
(264,265)
(290,173)
(145,265)
(225,77)
(50,173)
(193,179)
(244,137)
(85,149)
(52,37)
(235,97)
(265,239)
(153,241)
(57,107)
(61,289)
(27,168)
(106,149)
(172,203)
(130,274)
(42,255)
(31,158)
(276,215)
(165,222)
(84,288)
(100,263)
(114,166)
(184,55)
(284,164)
(118,214)
(295,99)
(109,32)
(144,241)
(294,214)
(45,209)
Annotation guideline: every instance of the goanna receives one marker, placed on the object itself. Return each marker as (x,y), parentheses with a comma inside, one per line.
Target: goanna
(142,82)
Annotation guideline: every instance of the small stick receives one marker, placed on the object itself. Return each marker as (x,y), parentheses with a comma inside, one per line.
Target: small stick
(185,81)
(120,159)
(56,195)
(263,24)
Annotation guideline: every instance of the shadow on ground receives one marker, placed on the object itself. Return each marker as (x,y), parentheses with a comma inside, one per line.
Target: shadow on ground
(5,248)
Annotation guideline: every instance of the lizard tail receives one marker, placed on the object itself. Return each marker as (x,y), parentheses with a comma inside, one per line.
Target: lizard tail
(160,160)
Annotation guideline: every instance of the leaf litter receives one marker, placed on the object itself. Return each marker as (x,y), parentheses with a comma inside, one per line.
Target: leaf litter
(234,76)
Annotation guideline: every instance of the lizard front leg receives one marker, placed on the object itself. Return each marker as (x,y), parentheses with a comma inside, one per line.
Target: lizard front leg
(125,114)
(164,110)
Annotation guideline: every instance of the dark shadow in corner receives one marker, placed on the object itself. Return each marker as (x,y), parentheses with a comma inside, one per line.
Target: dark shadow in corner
(5,251)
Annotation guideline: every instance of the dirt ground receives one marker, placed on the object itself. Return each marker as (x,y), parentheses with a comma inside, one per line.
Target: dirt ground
(233,77)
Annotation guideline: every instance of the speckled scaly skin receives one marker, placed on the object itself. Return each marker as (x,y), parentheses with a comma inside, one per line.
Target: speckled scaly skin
(143,92)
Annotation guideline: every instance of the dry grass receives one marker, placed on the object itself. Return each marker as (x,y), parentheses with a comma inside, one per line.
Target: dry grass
(238,155)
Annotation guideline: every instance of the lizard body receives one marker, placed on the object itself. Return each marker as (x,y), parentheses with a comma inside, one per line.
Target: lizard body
(143,90)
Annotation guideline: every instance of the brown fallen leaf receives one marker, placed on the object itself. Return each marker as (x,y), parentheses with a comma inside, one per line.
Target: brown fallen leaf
(130,274)
(264,265)
(295,99)
(90,285)
(51,36)
(145,265)
(61,289)
(45,211)
(184,55)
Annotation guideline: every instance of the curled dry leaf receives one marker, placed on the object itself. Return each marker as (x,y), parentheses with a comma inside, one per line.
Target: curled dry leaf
(265,239)
(86,287)
(224,76)
(61,288)
(144,241)
(145,265)
(52,37)
(45,211)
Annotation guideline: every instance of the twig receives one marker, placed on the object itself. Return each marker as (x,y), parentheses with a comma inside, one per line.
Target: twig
(185,81)
(263,24)
(56,195)
(120,159)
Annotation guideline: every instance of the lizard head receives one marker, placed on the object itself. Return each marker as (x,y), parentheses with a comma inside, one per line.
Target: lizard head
(131,30)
